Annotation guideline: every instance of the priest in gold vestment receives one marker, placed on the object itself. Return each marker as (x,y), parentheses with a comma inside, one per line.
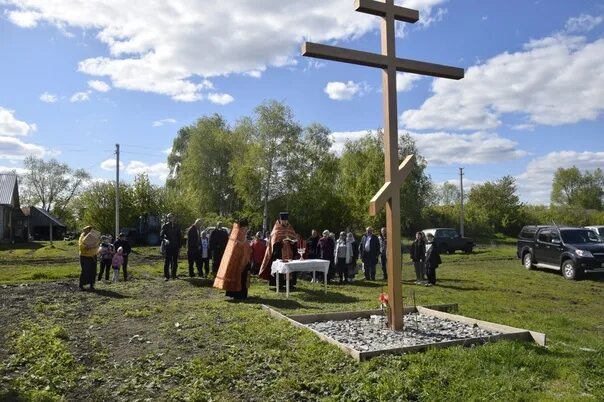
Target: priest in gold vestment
(234,271)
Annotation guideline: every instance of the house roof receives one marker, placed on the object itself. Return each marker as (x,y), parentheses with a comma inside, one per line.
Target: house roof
(55,221)
(8,182)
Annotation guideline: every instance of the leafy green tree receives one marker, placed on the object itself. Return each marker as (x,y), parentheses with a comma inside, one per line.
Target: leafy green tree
(495,204)
(179,148)
(317,202)
(146,197)
(204,178)
(447,194)
(362,175)
(96,206)
(267,172)
(570,187)
(51,184)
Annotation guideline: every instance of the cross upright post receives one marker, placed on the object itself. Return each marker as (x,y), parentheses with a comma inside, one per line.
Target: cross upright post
(394,174)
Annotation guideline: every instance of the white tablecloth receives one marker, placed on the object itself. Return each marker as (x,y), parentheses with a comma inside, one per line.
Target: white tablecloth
(282,267)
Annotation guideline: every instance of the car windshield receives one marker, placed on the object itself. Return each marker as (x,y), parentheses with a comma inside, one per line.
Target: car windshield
(579,236)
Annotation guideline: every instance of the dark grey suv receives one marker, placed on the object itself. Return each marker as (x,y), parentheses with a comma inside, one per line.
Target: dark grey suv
(449,240)
(571,250)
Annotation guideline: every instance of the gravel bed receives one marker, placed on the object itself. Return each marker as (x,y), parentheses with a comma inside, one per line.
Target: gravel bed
(369,334)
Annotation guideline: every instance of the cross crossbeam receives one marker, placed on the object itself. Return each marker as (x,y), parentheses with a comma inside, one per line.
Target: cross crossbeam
(334,53)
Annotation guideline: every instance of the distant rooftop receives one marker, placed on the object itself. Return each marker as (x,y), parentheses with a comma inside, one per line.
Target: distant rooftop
(8,182)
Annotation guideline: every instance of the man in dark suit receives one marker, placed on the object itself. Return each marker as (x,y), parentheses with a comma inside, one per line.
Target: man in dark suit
(193,249)
(218,241)
(369,249)
(170,232)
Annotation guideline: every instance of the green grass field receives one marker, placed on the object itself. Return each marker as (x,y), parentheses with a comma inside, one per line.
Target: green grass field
(183,340)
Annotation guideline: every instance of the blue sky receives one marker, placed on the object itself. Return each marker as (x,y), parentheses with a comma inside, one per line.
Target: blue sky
(77,77)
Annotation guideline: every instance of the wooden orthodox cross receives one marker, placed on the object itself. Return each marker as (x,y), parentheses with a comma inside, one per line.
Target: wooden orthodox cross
(389,194)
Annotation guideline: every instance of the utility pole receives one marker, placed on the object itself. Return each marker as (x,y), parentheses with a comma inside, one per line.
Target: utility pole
(117,190)
(461,202)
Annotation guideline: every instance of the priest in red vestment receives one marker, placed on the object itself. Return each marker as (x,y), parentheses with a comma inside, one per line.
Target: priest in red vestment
(280,247)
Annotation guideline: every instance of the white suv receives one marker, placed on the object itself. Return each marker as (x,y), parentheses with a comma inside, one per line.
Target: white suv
(599,229)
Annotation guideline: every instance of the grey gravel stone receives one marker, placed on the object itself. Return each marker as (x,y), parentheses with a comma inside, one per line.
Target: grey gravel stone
(369,334)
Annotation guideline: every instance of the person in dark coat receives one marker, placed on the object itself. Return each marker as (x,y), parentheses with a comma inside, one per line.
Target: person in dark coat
(369,249)
(127,249)
(193,249)
(311,245)
(218,241)
(418,256)
(325,251)
(432,260)
(170,232)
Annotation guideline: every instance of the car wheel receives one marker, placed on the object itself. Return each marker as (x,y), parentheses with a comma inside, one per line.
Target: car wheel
(451,251)
(569,271)
(443,248)
(527,261)
(468,249)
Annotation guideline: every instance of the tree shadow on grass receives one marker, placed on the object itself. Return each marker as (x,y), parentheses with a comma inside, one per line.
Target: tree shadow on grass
(109,293)
(22,246)
(470,288)
(329,297)
(455,280)
(367,284)
(200,282)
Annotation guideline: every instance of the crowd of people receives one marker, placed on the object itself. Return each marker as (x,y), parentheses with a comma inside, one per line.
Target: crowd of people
(235,256)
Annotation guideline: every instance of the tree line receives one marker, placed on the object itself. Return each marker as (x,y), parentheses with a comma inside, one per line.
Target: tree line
(268,162)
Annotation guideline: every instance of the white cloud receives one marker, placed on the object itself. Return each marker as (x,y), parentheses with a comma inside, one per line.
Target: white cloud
(340,137)
(12,148)
(167,151)
(169,47)
(10,126)
(555,80)
(100,86)
(10,169)
(404,81)
(466,149)
(109,165)
(80,97)
(535,183)
(582,23)
(523,127)
(429,14)
(24,19)
(449,149)
(345,90)
(254,73)
(221,99)
(48,98)
(159,123)
(159,170)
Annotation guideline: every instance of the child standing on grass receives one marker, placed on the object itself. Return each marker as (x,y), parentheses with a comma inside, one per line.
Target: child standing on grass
(116,262)
(105,254)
